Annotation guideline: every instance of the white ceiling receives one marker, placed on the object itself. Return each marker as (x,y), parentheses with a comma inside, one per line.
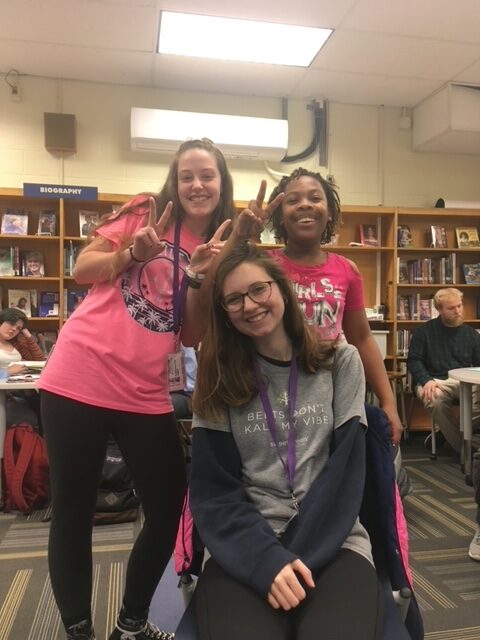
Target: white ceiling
(391,52)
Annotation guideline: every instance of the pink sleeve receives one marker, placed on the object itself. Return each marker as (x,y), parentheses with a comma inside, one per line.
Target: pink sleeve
(121,228)
(355,298)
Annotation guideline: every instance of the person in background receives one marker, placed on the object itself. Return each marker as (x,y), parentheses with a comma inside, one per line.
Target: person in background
(273,404)
(437,346)
(182,400)
(17,344)
(125,342)
(328,286)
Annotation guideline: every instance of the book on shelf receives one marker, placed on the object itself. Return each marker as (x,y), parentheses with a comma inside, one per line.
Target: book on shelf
(404,236)
(369,235)
(7,261)
(403,341)
(20,299)
(70,254)
(88,220)
(46,341)
(72,300)
(439,237)
(467,237)
(403,308)
(48,304)
(15,222)
(402,272)
(426,309)
(471,273)
(33,293)
(47,223)
(32,264)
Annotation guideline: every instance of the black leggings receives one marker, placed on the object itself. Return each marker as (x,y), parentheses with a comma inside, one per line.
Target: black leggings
(76,436)
(344,605)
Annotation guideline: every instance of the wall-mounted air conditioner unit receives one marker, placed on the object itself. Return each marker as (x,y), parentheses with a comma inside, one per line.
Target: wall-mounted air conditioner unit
(163,130)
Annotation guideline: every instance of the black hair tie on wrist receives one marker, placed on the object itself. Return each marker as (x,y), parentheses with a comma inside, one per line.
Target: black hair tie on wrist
(130,249)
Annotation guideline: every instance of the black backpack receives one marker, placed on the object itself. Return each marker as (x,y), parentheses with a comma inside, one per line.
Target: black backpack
(117,500)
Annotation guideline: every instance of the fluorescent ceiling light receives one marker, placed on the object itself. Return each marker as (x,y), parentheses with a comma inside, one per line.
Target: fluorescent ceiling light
(188,34)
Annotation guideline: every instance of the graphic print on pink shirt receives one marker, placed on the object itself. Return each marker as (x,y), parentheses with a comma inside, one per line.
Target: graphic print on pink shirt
(147,290)
(320,301)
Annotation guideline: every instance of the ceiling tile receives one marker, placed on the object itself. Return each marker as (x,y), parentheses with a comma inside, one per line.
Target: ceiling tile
(219,76)
(457,20)
(394,55)
(357,88)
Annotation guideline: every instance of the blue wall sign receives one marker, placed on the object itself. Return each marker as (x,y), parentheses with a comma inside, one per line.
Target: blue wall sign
(69,192)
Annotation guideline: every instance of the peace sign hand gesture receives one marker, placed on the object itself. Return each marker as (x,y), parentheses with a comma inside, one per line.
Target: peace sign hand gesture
(147,241)
(204,254)
(251,221)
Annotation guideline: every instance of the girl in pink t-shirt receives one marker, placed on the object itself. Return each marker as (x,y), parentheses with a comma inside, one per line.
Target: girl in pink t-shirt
(328,286)
(113,368)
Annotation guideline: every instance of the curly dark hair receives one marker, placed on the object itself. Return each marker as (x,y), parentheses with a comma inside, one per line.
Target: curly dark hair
(333,202)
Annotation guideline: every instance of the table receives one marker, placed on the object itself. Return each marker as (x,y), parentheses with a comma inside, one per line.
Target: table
(467,377)
(5,387)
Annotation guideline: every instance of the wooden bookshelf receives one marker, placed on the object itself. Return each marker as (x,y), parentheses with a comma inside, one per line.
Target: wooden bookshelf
(378,264)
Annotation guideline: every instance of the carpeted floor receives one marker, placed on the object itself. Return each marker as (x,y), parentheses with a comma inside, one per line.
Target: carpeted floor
(441,519)
(441,516)
(28,610)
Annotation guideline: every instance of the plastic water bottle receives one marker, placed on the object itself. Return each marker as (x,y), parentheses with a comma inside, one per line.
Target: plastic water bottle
(3,374)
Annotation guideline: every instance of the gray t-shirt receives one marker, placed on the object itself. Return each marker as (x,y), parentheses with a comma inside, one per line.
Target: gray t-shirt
(325,401)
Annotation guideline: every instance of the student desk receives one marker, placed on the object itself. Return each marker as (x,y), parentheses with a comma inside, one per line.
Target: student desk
(5,387)
(467,377)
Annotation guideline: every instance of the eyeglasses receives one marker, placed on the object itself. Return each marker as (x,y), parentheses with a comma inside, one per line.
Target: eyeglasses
(257,292)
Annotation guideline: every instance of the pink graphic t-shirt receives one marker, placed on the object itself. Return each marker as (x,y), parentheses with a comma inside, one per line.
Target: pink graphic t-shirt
(112,351)
(324,292)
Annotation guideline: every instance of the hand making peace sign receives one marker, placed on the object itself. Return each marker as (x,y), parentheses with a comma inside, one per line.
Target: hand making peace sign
(251,221)
(147,240)
(203,255)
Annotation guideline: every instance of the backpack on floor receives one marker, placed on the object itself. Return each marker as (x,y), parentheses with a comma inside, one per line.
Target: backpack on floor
(117,500)
(26,469)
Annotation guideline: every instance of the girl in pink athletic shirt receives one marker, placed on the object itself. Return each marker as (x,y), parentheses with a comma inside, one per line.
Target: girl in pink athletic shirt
(329,287)
(112,371)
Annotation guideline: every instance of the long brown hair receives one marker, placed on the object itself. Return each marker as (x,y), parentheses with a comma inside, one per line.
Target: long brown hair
(169,192)
(225,374)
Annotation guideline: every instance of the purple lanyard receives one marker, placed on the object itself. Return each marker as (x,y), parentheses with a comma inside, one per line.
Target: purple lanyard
(289,466)
(179,292)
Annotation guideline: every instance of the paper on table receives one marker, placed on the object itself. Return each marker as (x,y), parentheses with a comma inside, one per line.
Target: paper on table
(33,364)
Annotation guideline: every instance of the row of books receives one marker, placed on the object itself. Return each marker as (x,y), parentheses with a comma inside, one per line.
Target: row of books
(466,237)
(403,342)
(427,270)
(436,271)
(44,304)
(15,222)
(14,262)
(415,307)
